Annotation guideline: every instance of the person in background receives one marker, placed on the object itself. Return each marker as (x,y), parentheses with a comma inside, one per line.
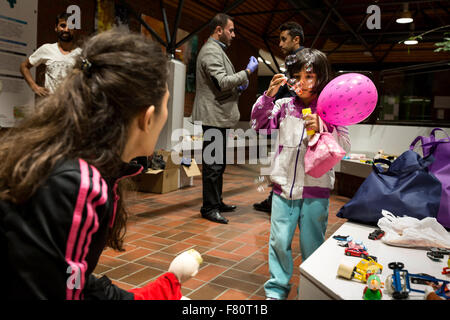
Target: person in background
(59,58)
(218,87)
(298,198)
(61,173)
(292,39)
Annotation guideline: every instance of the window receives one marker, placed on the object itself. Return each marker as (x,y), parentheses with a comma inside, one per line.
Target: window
(415,95)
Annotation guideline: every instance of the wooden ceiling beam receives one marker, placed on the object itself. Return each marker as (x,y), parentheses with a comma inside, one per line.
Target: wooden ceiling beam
(269,22)
(233,6)
(307,17)
(355,34)
(394,17)
(146,26)
(323,24)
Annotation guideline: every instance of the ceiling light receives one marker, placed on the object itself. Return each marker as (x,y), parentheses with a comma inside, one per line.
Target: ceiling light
(260,59)
(268,62)
(405,16)
(411,42)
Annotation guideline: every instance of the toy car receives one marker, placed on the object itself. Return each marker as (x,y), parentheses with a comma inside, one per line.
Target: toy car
(435,256)
(376,234)
(355,252)
(359,253)
(441,251)
(368,266)
(341,238)
(362,271)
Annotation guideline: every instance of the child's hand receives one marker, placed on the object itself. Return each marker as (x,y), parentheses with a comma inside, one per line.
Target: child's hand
(275,84)
(312,122)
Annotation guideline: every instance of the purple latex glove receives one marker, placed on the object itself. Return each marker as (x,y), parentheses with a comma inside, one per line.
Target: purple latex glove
(252,64)
(244,86)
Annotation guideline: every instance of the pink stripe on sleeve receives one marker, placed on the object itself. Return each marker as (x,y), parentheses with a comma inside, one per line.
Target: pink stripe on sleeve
(91,216)
(76,220)
(92,208)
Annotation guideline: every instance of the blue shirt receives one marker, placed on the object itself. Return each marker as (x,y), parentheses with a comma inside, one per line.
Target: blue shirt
(223,45)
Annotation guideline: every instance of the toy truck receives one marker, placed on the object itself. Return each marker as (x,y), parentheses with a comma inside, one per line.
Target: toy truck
(362,271)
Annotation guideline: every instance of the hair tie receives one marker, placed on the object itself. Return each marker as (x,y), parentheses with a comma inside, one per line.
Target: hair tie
(86,65)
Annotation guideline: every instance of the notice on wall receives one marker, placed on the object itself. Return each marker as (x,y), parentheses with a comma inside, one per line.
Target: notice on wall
(18,33)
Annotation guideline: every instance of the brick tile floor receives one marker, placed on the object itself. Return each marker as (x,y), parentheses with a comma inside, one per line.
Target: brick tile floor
(235,264)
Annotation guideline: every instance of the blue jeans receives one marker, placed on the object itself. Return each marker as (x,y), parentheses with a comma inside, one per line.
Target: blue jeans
(311,215)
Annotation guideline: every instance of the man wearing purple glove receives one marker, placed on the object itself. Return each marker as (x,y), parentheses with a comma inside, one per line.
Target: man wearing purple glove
(218,87)
(252,65)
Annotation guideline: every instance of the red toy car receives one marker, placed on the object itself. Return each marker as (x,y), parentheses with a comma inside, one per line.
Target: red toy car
(357,253)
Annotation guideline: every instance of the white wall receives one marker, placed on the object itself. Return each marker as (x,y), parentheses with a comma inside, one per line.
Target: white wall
(392,139)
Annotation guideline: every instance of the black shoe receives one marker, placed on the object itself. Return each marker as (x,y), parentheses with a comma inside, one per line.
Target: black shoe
(226,208)
(265,205)
(215,216)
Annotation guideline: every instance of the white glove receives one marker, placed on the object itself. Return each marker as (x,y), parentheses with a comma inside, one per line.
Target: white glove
(186,265)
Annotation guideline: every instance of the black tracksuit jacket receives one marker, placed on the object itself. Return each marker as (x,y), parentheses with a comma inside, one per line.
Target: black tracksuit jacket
(52,243)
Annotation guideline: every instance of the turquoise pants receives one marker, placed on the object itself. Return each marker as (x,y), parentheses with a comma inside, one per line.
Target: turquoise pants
(311,215)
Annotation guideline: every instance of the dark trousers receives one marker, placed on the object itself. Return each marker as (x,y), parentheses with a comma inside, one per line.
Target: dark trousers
(212,171)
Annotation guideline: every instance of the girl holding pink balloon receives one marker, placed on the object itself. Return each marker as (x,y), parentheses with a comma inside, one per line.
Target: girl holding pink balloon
(298,198)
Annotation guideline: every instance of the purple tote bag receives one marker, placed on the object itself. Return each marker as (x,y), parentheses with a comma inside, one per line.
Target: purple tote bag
(440,168)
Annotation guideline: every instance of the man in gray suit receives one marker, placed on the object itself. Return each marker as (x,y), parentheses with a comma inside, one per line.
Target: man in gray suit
(218,87)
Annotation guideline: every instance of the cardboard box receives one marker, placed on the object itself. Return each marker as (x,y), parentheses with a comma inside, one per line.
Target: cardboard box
(158,181)
(171,178)
(187,174)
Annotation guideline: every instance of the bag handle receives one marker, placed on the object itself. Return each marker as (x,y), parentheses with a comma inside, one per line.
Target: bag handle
(413,144)
(322,127)
(429,147)
(380,160)
(439,129)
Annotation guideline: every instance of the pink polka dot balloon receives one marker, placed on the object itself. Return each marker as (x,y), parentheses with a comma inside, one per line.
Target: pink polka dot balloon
(347,99)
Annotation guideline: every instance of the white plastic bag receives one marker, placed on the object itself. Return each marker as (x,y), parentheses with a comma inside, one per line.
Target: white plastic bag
(412,232)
